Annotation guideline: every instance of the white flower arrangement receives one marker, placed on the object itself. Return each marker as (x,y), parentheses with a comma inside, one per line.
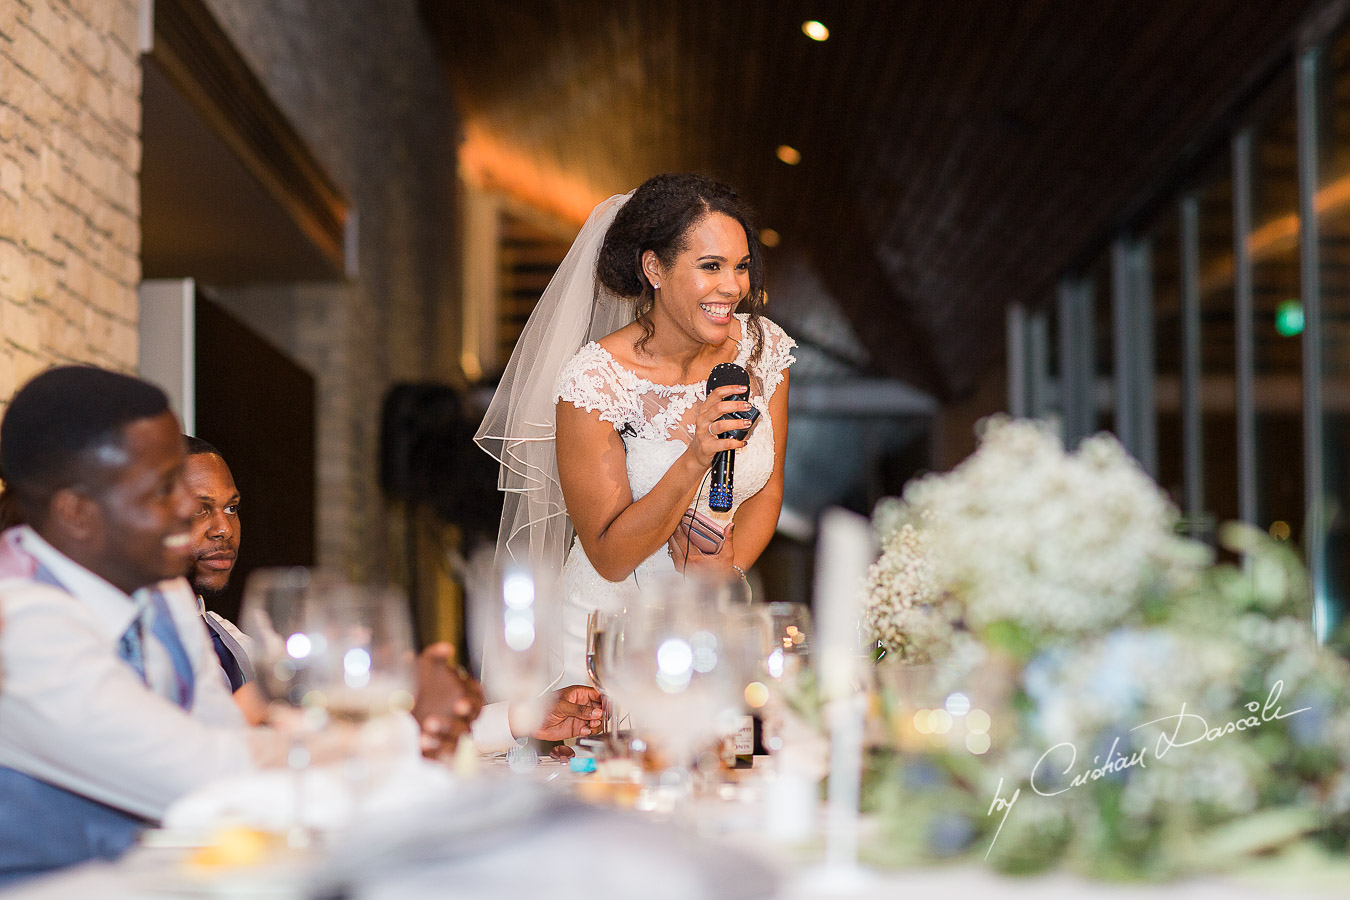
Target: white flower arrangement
(1024,533)
(1206,726)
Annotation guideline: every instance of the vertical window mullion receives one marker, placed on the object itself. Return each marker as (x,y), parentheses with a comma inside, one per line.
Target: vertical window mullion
(1085,297)
(1310,294)
(1070,393)
(1019,362)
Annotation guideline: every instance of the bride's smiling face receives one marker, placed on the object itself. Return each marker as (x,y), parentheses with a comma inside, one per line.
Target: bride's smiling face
(700,289)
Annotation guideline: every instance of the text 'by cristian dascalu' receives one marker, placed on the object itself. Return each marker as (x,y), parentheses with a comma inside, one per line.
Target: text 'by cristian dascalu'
(1189,728)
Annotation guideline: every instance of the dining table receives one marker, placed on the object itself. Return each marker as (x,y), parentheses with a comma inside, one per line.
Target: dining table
(550,830)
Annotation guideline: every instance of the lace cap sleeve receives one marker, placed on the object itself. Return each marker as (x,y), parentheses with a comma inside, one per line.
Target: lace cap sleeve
(589,382)
(777,356)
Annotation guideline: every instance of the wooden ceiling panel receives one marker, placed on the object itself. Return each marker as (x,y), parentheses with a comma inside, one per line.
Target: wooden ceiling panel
(956,157)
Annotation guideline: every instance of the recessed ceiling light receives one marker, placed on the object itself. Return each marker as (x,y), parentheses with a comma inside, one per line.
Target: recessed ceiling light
(815,31)
(769,238)
(789,155)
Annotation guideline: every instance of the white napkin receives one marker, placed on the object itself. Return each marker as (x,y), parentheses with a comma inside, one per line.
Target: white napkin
(382,771)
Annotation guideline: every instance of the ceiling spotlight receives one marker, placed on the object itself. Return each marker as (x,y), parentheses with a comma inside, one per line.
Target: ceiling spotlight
(789,155)
(815,31)
(769,238)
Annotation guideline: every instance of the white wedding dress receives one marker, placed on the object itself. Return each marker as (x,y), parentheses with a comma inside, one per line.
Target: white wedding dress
(654,421)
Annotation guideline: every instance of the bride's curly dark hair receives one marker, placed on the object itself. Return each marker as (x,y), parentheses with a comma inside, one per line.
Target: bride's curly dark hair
(658,217)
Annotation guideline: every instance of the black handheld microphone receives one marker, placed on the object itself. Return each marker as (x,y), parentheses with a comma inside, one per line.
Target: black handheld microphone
(724,463)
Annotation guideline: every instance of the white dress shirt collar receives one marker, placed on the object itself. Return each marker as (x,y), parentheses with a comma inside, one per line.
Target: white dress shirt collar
(113,609)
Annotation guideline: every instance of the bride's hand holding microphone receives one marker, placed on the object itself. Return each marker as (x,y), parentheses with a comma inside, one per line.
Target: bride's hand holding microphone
(708,439)
(698,544)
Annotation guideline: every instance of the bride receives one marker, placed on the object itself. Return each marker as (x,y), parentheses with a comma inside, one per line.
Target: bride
(602,422)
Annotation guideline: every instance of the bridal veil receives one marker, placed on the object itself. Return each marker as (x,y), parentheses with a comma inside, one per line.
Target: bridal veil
(518,429)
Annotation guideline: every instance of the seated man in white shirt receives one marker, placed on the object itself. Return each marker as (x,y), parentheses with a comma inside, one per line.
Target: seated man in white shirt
(216,536)
(112,704)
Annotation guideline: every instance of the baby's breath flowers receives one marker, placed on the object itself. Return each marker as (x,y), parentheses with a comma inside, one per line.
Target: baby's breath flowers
(1023,533)
(905,611)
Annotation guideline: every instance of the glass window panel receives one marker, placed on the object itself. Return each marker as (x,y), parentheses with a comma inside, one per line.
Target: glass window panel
(1278,354)
(1165,240)
(1218,344)
(1103,337)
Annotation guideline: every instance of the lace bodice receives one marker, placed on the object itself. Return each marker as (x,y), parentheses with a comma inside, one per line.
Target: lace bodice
(654,421)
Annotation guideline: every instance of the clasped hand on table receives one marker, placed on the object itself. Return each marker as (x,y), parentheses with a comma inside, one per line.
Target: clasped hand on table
(449,699)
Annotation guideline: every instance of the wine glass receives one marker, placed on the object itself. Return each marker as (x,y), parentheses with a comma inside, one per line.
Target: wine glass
(326,650)
(674,672)
(369,632)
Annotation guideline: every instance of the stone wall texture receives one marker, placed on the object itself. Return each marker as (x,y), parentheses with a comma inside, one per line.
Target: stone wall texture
(360,82)
(70,117)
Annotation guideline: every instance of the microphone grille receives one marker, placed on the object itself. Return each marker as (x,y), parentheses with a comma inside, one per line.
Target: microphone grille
(727,373)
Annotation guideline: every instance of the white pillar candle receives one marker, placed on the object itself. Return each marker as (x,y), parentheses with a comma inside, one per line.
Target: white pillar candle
(845,550)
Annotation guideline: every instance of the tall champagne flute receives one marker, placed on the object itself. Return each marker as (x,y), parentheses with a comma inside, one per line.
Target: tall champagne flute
(600,625)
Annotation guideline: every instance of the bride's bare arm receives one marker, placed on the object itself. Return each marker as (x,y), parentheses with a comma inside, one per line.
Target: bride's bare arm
(757,517)
(617,532)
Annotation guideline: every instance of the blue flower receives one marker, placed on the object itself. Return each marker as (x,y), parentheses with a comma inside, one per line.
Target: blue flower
(949,834)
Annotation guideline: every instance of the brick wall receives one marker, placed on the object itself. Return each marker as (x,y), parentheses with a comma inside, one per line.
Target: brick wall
(361,84)
(70,111)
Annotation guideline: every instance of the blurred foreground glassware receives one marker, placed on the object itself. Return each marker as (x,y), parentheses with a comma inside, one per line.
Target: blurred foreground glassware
(601,627)
(326,651)
(282,612)
(675,673)
(961,703)
(520,661)
(748,633)
(791,650)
